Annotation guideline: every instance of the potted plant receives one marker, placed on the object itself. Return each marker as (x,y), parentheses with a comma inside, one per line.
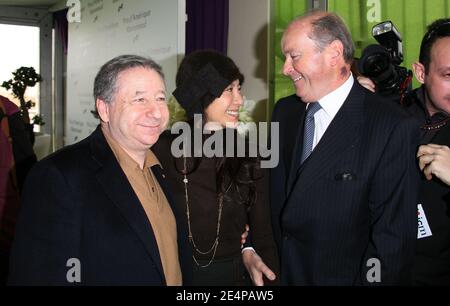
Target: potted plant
(24,77)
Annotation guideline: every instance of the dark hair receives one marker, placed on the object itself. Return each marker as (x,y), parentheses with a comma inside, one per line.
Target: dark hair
(232,173)
(105,81)
(195,61)
(438,29)
(240,174)
(235,174)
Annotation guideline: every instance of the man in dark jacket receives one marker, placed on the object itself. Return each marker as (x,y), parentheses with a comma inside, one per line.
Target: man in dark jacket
(98,212)
(344,193)
(431,105)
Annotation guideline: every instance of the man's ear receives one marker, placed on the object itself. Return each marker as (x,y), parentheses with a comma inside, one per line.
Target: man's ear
(102,109)
(336,51)
(419,71)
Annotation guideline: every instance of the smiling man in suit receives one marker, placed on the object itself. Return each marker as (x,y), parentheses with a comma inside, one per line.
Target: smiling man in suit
(344,193)
(97,212)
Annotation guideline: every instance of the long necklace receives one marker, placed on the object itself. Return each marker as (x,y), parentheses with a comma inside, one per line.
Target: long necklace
(214,246)
(436,125)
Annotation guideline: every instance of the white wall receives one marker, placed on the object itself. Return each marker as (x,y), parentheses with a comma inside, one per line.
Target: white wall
(248,36)
(110,28)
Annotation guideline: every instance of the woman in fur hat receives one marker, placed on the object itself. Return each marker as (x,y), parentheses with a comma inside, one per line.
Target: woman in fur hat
(221,194)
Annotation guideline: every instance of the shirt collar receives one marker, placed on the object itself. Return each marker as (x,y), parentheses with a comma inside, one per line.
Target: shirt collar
(332,102)
(125,160)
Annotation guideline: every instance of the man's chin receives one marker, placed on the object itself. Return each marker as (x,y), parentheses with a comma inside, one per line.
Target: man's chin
(304,98)
(151,140)
(299,93)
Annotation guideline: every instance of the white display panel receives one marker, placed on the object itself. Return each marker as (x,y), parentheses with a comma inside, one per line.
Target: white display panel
(152,28)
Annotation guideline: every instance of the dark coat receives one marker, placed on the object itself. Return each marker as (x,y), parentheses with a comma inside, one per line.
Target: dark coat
(78,203)
(353,199)
(203,201)
(432,263)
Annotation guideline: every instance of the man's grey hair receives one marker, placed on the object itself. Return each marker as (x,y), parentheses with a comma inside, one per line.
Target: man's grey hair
(328,28)
(105,82)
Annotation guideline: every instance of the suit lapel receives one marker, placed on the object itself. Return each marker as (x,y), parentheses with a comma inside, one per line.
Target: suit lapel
(117,187)
(293,159)
(342,133)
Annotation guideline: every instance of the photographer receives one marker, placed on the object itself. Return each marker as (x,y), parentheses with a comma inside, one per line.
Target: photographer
(380,65)
(431,105)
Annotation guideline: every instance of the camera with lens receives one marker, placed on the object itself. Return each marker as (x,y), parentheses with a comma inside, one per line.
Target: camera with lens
(381,63)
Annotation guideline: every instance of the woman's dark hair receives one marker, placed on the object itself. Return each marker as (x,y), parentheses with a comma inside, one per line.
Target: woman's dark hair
(243,173)
(237,174)
(193,64)
(233,173)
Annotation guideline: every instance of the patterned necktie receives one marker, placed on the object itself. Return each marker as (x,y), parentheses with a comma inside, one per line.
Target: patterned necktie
(308,132)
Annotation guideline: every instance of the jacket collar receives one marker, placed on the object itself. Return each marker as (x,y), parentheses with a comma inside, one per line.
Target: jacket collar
(342,133)
(115,184)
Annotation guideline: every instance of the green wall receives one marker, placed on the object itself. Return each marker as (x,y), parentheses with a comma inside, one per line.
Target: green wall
(410,17)
(285,11)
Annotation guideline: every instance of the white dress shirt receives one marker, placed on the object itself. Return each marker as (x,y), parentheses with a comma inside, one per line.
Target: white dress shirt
(330,104)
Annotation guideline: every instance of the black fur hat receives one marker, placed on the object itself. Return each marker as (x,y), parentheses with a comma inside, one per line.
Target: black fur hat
(202,77)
